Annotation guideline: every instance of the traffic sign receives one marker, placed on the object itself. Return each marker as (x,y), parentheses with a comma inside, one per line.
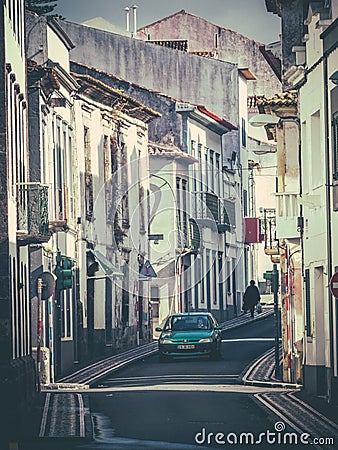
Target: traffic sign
(48,285)
(334,285)
(147,270)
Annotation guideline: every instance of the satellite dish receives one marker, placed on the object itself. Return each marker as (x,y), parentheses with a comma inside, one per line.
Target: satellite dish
(48,285)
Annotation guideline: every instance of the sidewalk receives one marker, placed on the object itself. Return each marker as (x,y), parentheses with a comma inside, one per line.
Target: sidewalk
(57,421)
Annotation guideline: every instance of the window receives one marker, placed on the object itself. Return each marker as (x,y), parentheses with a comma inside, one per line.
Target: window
(211,202)
(155,299)
(208,280)
(200,167)
(178,204)
(206,168)
(212,171)
(125,307)
(89,197)
(307,303)
(335,145)
(243,132)
(215,277)
(229,213)
(218,176)
(193,148)
(66,313)
(316,153)
(184,212)
(106,159)
(228,277)
(245,203)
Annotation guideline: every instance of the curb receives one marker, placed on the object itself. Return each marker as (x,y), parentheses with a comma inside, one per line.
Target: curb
(261,361)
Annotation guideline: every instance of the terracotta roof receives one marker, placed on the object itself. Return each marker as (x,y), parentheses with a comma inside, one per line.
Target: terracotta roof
(218,119)
(176,44)
(253,100)
(204,53)
(169,150)
(80,68)
(247,74)
(284,99)
(102,93)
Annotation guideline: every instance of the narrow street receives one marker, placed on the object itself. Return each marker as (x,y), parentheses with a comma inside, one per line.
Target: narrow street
(168,213)
(181,404)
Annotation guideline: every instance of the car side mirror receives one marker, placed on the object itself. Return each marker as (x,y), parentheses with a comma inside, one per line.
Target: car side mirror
(219,327)
(158,329)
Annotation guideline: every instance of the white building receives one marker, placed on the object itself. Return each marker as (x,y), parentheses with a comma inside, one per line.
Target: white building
(318,110)
(17,374)
(216,271)
(112,144)
(309,66)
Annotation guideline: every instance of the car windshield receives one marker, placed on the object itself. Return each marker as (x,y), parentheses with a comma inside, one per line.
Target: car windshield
(177,323)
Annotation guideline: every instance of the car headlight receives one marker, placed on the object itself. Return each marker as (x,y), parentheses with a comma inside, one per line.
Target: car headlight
(165,341)
(205,340)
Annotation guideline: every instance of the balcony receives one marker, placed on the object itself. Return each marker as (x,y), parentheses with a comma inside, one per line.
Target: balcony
(287,213)
(32,213)
(195,235)
(212,211)
(269,229)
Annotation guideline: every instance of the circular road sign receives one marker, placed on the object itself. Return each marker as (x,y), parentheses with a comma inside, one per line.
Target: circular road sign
(48,285)
(334,285)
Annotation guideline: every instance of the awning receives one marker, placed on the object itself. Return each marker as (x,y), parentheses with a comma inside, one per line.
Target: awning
(106,266)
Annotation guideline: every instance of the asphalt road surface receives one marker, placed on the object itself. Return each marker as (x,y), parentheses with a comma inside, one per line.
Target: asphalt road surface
(185,403)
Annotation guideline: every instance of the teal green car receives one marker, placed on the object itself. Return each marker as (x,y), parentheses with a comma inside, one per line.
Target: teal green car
(190,334)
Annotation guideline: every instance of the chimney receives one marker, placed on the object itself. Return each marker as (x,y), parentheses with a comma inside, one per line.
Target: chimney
(127,9)
(134,15)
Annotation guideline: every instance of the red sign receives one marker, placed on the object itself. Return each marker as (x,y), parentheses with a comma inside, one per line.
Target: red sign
(334,285)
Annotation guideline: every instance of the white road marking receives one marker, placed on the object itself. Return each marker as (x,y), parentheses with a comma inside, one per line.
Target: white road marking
(81,416)
(44,416)
(250,340)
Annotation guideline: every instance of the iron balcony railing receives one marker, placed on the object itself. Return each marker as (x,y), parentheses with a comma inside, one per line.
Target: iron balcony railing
(269,230)
(209,208)
(32,209)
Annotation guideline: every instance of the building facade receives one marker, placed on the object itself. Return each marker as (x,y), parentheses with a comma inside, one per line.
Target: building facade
(309,63)
(17,371)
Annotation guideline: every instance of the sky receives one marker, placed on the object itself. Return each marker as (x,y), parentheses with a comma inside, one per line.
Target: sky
(248,17)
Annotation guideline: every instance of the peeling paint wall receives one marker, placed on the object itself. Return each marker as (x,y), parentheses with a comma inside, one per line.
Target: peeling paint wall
(227,45)
(183,76)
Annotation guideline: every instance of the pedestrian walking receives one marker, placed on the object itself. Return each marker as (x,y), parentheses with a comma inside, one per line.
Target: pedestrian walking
(251,298)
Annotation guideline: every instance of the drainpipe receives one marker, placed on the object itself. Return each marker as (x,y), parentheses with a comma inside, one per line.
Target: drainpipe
(328,225)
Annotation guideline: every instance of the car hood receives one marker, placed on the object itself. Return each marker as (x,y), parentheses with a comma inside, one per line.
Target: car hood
(184,334)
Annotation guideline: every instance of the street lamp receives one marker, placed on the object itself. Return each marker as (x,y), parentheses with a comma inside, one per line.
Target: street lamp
(334,77)
(263,148)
